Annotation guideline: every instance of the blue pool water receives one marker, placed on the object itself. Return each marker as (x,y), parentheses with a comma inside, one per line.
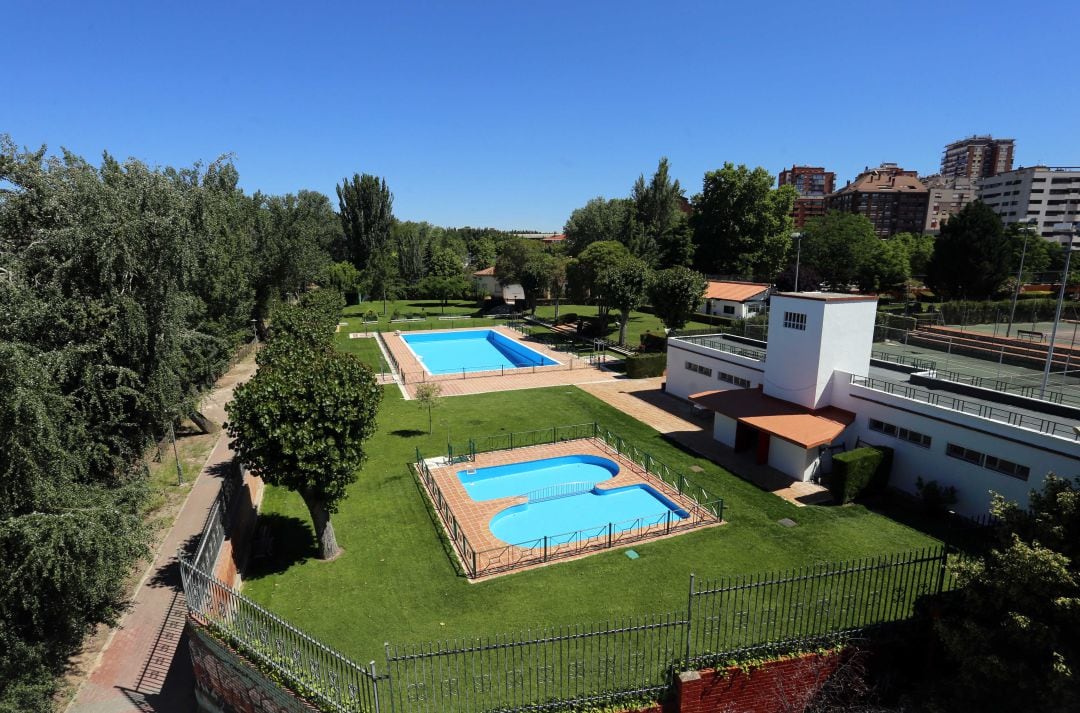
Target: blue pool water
(566,505)
(472,350)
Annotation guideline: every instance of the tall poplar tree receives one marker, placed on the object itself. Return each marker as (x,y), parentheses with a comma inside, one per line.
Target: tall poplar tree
(365,205)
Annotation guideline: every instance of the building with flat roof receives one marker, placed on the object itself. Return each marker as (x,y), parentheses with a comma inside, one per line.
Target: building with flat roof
(893,199)
(977,157)
(1047,195)
(815,389)
(948,196)
(813,183)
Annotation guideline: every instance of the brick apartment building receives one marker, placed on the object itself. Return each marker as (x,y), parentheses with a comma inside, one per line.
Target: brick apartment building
(813,183)
(977,157)
(893,199)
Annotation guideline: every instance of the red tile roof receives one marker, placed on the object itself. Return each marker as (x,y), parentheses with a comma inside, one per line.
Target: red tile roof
(734,291)
(555,238)
(783,419)
(486,272)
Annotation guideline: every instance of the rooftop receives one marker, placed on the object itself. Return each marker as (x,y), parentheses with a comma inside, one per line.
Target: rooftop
(734,291)
(486,272)
(780,418)
(828,296)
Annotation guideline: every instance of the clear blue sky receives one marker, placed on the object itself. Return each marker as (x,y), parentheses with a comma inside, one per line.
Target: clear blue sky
(511,114)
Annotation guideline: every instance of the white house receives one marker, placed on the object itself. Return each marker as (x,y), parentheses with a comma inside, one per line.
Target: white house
(737,300)
(814,389)
(485,282)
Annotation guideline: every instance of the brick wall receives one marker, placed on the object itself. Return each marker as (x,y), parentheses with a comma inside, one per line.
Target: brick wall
(243,514)
(783,685)
(226,682)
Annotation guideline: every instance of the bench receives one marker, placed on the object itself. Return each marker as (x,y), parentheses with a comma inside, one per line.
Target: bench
(1030,335)
(455,316)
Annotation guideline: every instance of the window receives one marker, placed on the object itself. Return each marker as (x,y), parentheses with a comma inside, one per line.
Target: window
(954,451)
(699,368)
(1008,467)
(920,439)
(729,309)
(795,320)
(881,427)
(732,379)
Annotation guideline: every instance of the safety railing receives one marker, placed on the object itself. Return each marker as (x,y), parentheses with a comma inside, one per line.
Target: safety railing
(560,490)
(719,344)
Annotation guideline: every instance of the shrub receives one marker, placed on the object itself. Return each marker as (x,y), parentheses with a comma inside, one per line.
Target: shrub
(371,316)
(567,318)
(863,470)
(935,498)
(642,366)
(395,314)
(653,342)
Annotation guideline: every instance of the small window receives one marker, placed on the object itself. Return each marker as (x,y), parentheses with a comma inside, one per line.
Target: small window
(729,309)
(881,427)
(795,320)
(919,439)
(1007,467)
(691,366)
(966,454)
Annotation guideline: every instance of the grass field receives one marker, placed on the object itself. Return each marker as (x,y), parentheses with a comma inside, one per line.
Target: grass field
(365,349)
(395,581)
(639,323)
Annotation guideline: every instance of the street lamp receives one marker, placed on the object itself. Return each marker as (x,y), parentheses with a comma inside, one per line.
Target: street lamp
(1020,273)
(1070,230)
(797,237)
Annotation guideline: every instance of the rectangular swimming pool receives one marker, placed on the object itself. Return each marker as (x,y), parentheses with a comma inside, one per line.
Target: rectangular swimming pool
(472,350)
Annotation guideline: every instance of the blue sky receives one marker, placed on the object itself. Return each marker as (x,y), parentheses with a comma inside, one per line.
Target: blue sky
(511,114)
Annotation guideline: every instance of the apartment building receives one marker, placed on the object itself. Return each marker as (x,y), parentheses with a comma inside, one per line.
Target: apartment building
(977,157)
(948,196)
(1047,195)
(893,199)
(813,183)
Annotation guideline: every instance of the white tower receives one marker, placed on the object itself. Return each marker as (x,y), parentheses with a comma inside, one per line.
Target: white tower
(811,335)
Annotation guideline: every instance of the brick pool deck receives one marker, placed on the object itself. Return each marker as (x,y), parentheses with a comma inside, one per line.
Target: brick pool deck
(570,370)
(496,557)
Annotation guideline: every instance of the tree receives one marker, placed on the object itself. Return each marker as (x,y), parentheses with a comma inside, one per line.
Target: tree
(365,205)
(972,255)
(381,277)
(841,246)
(664,238)
(557,279)
(411,242)
(343,277)
(622,286)
(886,267)
(427,396)
(599,220)
(742,226)
(919,248)
(1041,255)
(524,262)
(583,273)
(1012,626)
(675,294)
(301,423)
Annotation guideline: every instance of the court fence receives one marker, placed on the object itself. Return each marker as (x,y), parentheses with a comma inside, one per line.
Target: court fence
(701,508)
(636,657)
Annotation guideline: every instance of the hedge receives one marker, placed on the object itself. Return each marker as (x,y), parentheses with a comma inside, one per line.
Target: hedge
(642,366)
(863,470)
(653,342)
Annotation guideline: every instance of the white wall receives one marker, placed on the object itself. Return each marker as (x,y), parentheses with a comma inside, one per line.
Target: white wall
(681,382)
(1040,452)
(724,429)
(792,459)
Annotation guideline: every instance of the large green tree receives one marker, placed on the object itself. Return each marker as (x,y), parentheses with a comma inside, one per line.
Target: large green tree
(675,294)
(662,237)
(446,279)
(972,256)
(742,225)
(365,205)
(623,287)
(525,262)
(301,423)
(599,220)
(1013,628)
(584,271)
(841,247)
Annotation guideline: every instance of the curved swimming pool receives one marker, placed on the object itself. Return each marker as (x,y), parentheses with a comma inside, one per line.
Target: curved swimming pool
(504,481)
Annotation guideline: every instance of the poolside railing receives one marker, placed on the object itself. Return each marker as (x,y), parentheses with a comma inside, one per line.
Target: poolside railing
(560,490)
(703,508)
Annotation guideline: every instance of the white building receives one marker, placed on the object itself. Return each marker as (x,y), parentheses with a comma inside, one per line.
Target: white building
(815,390)
(737,300)
(1048,195)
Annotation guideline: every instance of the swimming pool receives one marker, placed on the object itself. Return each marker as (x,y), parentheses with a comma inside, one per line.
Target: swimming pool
(564,503)
(472,350)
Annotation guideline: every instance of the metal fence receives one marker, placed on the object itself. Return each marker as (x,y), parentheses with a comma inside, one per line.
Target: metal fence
(701,507)
(720,344)
(1031,391)
(974,408)
(903,359)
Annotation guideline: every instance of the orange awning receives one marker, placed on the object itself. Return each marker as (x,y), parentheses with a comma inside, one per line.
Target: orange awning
(777,417)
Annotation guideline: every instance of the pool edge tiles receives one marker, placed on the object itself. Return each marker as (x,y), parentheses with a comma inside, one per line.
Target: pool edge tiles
(499,352)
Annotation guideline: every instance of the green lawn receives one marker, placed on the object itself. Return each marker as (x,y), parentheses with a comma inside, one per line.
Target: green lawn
(394,581)
(639,323)
(365,349)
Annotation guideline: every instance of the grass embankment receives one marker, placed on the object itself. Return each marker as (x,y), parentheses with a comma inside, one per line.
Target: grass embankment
(395,582)
(639,323)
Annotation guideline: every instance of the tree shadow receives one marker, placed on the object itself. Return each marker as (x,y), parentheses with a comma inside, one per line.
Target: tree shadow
(281,542)
(408,433)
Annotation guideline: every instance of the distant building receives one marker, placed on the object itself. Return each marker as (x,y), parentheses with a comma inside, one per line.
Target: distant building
(977,157)
(1046,194)
(948,196)
(554,239)
(737,300)
(893,199)
(813,183)
(485,282)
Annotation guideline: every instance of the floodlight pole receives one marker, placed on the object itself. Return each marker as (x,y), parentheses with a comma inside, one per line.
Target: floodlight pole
(797,237)
(1019,278)
(1061,300)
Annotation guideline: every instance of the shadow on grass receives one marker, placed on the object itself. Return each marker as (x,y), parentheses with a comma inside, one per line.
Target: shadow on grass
(408,433)
(292,542)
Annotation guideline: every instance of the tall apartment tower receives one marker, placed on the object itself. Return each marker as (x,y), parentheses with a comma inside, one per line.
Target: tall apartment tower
(977,157)
(893,199)
(813,183)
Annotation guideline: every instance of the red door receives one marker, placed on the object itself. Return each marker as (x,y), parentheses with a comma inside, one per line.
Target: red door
(762,448)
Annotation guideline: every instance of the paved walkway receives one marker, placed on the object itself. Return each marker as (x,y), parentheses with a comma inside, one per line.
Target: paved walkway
(644,400)
(145,666)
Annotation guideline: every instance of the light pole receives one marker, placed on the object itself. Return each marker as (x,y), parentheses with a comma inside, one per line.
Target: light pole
(1070,230)
(797,237)
(1019,274)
